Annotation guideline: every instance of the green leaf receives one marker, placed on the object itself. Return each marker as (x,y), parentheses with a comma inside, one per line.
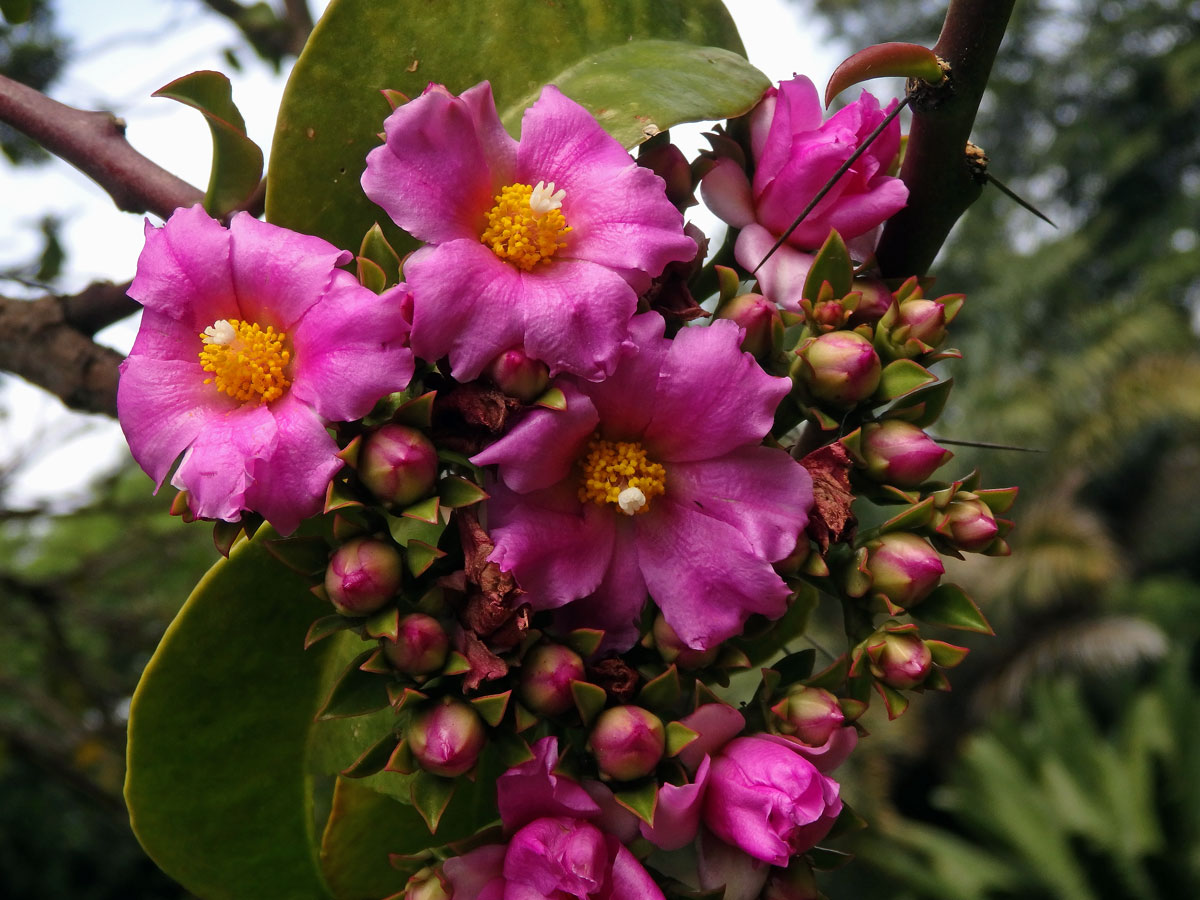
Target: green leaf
(376,248)
(16,11)
(832,264)
(357,691)
(237,162)
(882,60)
(950,606)
(332,109)
(217,788)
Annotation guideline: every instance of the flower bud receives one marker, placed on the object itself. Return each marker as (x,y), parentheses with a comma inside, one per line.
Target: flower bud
(628,742)
(420,647)
(969,523)
(673,649)
(900,660)
(926,320)
(425,885)
(841,368)
(900,453)
(398,465)
(363,575)
(761,320)
(546,675)
(446,739)
(903,567)
(668,163)
(810,713)
(519,375)
(876,298)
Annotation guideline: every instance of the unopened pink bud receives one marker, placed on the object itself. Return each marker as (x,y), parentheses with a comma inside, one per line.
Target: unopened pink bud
(876,298)
(398,465)
(810,713)
(363,575)
(519,375)
(900,453)
(900,660)
(760,319)
(840,367)
(546,675)
(969,523)
(926,320)
(420,647)
(628,742)
(672,648)
(904,567)
(446,739)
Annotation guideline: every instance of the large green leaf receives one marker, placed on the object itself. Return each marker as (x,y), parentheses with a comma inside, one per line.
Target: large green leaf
(333,110)
(218,788)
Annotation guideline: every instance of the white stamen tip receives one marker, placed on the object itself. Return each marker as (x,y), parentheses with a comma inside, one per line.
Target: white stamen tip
(220,332)
(631,500)
(544,198)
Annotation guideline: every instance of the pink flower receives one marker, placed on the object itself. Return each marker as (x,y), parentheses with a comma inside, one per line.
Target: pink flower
(795,154)
(768,800)
(543,244)
(653,480)
(251,342)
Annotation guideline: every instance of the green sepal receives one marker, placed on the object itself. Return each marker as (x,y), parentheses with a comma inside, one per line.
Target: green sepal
(554,398)
(771,679)
(662,692)
(641,800)
(374,758)
(384,623)
(456,492)
(589,698)
(902,377)
(833,676)
(420,556)
(856,580)
(950,606)
(831,265)
(377,664)
(431,794)
(370,275)
(355,692)
(998,500)
(491,707)
(584,641)
(402,697)
(936,680)
(417,412)
(402,761)
(852,709)
(375,247)
(815,566)
(732,657)
(456,664)
(510,749)
(425,511)
(679,736)
(822,419)
(727,285)
(893,701)
(237,162)
(923,406)
(305,555)
(405,530)
(338,496)
(347,525)
(452,457)
(946,655)
(225,535)
(916,516)
(326,626)
(523,719)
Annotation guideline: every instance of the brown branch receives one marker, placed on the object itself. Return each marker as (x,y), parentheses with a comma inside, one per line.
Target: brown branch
(940,184)
(94,142)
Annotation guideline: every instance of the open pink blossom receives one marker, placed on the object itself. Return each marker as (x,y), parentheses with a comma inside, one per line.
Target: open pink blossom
(542,244)
(251,342)
(653,481)
(795,154)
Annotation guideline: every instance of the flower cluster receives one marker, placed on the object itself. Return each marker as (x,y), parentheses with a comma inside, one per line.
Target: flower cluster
(560,509)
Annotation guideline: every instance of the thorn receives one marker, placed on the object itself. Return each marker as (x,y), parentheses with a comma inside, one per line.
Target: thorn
(1016,198)
(984,445)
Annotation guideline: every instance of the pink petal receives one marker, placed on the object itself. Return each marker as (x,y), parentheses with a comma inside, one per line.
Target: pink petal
(629,880)
(470,874)
(829,755)
(614,818)
(712,398)
(760,491)
(217,467)
(781,278)
(797,110)
(183,270)
(726,191)
(615,606)
(531,790)
(717,724)
(164,337)
(625,400)
(677,816)
(779,200)
(351,349)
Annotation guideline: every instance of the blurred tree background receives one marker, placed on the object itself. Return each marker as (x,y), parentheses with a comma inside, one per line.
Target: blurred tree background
(1062,765)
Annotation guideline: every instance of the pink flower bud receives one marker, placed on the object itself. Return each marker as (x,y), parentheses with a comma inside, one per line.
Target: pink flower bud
(668,163)
(363,575)
(420,646)
(926,320)
(810,713)
(425,885)
(900,660)
(969,523)
(519,375)
(841,368)
(876,298)
(446,738)
(760,319)
(546,675)
(672,648)
(903,567)
(628,742)
(398,465)
(900,453)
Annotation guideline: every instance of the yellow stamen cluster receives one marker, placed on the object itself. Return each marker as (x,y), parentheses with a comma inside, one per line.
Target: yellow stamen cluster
(522,234)
(247,362)
(611,468)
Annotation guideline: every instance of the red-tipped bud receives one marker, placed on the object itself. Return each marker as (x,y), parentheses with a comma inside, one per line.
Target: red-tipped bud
(446,739)
(841,368)
(398,465)
(425,885)
(926,320)
(903,567)
(519,375)
(900,660)
(810,713)
(363,575)
(876,298)
(900,453)
(760,319)
(969,524)
(668,163)
(628,742)
(420,647)
(672,648)
(546,675)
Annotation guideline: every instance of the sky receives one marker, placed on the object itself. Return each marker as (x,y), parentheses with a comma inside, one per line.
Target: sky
(123,52)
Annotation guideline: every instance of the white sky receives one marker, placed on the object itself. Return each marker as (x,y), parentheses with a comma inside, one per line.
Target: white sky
(126,50)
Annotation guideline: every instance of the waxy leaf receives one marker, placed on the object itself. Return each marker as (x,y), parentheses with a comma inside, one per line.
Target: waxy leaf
(16,10)
(237,162)
(364,827)
(902,377)
(357,691)
(881,60)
